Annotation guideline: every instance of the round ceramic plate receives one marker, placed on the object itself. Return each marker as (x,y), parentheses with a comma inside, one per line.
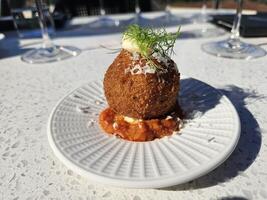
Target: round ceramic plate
(210,134)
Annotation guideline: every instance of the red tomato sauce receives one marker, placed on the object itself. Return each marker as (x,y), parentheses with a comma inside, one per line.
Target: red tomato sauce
(139,130)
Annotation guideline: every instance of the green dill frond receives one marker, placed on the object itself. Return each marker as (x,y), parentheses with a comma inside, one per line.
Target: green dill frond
(151,40)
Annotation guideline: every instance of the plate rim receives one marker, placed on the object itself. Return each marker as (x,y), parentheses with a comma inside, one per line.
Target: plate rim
(150,183)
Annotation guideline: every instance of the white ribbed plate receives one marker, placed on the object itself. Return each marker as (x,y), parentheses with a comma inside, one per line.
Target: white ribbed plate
(207,139)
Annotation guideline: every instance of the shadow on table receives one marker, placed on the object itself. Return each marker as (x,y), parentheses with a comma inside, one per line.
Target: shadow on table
(193,97)
(246,150)
(11,48)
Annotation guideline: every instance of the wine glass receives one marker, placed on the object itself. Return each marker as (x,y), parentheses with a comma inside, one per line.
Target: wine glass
(138,18)
(169,17)
(103,20)
(48,52)
(233,47)
(203,18)
(167,11)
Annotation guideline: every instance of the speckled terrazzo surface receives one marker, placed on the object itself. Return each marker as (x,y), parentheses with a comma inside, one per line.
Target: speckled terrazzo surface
(29,169)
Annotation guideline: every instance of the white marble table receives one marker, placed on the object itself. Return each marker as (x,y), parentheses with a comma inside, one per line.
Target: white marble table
(28,167)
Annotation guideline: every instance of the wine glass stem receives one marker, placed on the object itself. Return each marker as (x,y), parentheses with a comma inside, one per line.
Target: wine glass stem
(168,11)
(137,7)
(47,43)
(236,25)
(167,8)
(204,17)
(102,10)
(204,8)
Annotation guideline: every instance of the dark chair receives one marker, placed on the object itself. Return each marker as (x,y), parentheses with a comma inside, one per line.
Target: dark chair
(85,7)
(4,8)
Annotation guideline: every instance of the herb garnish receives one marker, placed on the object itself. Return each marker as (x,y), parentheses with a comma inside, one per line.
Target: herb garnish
(150,41)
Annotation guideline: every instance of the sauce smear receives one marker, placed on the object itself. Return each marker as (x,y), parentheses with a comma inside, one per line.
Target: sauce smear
(138,130)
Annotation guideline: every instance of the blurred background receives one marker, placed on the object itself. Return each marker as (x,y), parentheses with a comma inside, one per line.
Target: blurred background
(91,7)
(61,10)
(36,18)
